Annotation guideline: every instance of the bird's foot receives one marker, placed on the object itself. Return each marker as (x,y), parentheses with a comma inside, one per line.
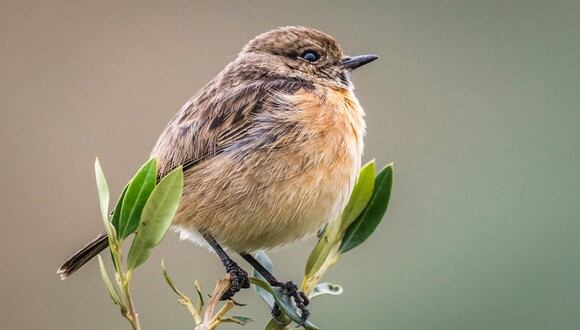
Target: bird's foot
(239,279)
(300,300)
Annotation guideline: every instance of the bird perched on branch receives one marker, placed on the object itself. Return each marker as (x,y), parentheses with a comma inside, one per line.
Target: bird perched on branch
(271,148)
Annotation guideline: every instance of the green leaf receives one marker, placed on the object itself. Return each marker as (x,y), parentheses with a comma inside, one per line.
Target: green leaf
(241,320)
(283,301)
(200,301)
(326,289)
(113,240)
(265,261)
(333,232)
(135,197)
(360,196)
(156,217)
(114,247)
(117,211)
(108,284)
(367,222)
(171,283)
(103,190)
(323,247)
(275,325)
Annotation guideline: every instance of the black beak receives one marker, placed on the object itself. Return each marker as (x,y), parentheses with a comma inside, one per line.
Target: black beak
(353,62)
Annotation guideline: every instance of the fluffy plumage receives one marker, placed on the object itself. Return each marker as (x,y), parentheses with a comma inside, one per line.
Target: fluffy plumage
(271,146)
(276,148)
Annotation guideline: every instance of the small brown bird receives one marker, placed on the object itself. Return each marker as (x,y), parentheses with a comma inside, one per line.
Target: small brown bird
(271,149)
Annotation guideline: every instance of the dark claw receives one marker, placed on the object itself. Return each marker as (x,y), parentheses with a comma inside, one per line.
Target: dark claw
(239,278)
(304,298)
(300,299)
(276,312)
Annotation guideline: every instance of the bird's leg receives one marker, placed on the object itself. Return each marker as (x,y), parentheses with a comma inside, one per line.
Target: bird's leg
(239,276)
(300,299)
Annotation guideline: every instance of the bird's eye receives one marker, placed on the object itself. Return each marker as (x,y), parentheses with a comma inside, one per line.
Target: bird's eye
(310,56)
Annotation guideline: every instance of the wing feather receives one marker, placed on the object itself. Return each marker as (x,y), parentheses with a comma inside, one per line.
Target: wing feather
(217,118)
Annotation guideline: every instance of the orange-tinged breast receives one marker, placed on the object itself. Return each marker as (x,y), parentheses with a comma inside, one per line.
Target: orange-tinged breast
(285,190)
(336,116)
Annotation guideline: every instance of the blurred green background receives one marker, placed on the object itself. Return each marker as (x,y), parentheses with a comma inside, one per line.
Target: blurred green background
(476,102)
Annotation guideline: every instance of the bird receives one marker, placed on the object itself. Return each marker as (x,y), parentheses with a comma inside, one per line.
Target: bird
(270,148)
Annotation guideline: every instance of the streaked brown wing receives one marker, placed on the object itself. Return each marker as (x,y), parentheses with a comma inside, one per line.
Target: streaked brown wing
(216,119)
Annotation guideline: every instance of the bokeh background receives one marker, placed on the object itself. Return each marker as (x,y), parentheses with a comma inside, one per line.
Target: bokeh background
(476,102)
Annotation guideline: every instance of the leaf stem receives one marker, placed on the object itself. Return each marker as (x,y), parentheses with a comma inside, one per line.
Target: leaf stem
(131,314)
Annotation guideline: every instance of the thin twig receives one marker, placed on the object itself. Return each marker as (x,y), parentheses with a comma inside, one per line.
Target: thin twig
(209,321)
(217,318)
(131,314)
(192,310)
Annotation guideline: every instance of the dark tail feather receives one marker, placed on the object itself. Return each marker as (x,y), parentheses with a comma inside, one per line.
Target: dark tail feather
(85,254)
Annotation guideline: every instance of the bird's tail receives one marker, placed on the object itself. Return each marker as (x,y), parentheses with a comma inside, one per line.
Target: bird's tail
(82,256)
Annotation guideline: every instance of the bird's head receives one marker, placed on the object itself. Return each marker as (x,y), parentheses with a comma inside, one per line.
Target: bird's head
(301,53)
